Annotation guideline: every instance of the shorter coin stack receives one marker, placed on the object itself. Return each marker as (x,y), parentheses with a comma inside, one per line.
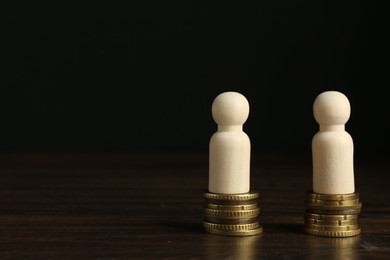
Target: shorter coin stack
(232,214)
(332,215)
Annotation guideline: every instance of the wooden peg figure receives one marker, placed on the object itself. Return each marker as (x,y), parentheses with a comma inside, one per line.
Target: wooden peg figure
(332,146)
(229,155)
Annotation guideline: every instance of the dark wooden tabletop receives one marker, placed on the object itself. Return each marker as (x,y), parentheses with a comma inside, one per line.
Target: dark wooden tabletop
(149,206)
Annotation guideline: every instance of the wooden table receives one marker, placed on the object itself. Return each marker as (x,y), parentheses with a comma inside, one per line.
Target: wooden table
(149,206)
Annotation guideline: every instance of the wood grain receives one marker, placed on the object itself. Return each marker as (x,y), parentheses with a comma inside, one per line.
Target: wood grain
(149,206)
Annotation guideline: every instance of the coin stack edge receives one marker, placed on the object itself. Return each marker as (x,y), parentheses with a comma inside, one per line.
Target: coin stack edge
(332,215)
(232,214)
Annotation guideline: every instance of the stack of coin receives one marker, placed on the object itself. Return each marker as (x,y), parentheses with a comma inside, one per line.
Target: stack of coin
(232,214)
(332,215)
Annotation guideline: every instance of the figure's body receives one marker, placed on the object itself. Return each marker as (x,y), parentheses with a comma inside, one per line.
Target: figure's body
(229,168)
(332,146)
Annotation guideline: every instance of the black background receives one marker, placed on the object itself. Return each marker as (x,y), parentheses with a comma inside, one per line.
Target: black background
(141,77)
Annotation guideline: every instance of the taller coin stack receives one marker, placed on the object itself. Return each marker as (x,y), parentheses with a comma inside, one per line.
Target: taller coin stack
(332,215)
(232,214)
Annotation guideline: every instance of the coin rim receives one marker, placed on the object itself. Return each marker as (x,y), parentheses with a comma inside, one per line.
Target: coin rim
(231,214)
(334,212)
(330,216)
(227,221)
(334,203)
(329,207)
(332,197)
(230,202)
(251,195)
(323,233)
(332,228)
(251,232)
(331,222)
(231,207)
(230,227)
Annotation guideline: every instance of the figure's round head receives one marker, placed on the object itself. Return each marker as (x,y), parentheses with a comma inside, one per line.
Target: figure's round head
(230,108)
(331,108)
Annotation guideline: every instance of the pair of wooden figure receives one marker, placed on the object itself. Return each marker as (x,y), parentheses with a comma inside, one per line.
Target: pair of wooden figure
(332,146)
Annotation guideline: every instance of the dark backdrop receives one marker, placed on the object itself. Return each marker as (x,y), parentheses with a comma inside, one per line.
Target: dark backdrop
(141,77)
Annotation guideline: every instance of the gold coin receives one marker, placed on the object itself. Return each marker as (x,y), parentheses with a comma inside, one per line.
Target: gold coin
(320,210)
(232,207)
(241,233)
(232,197)
(326,207)
(231,221)
(230,202)
(227,227)
(323,233)
(315,204)
(334,203)
(330,217)
(331,222)
(250,213)
(332,228)
(318,196)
